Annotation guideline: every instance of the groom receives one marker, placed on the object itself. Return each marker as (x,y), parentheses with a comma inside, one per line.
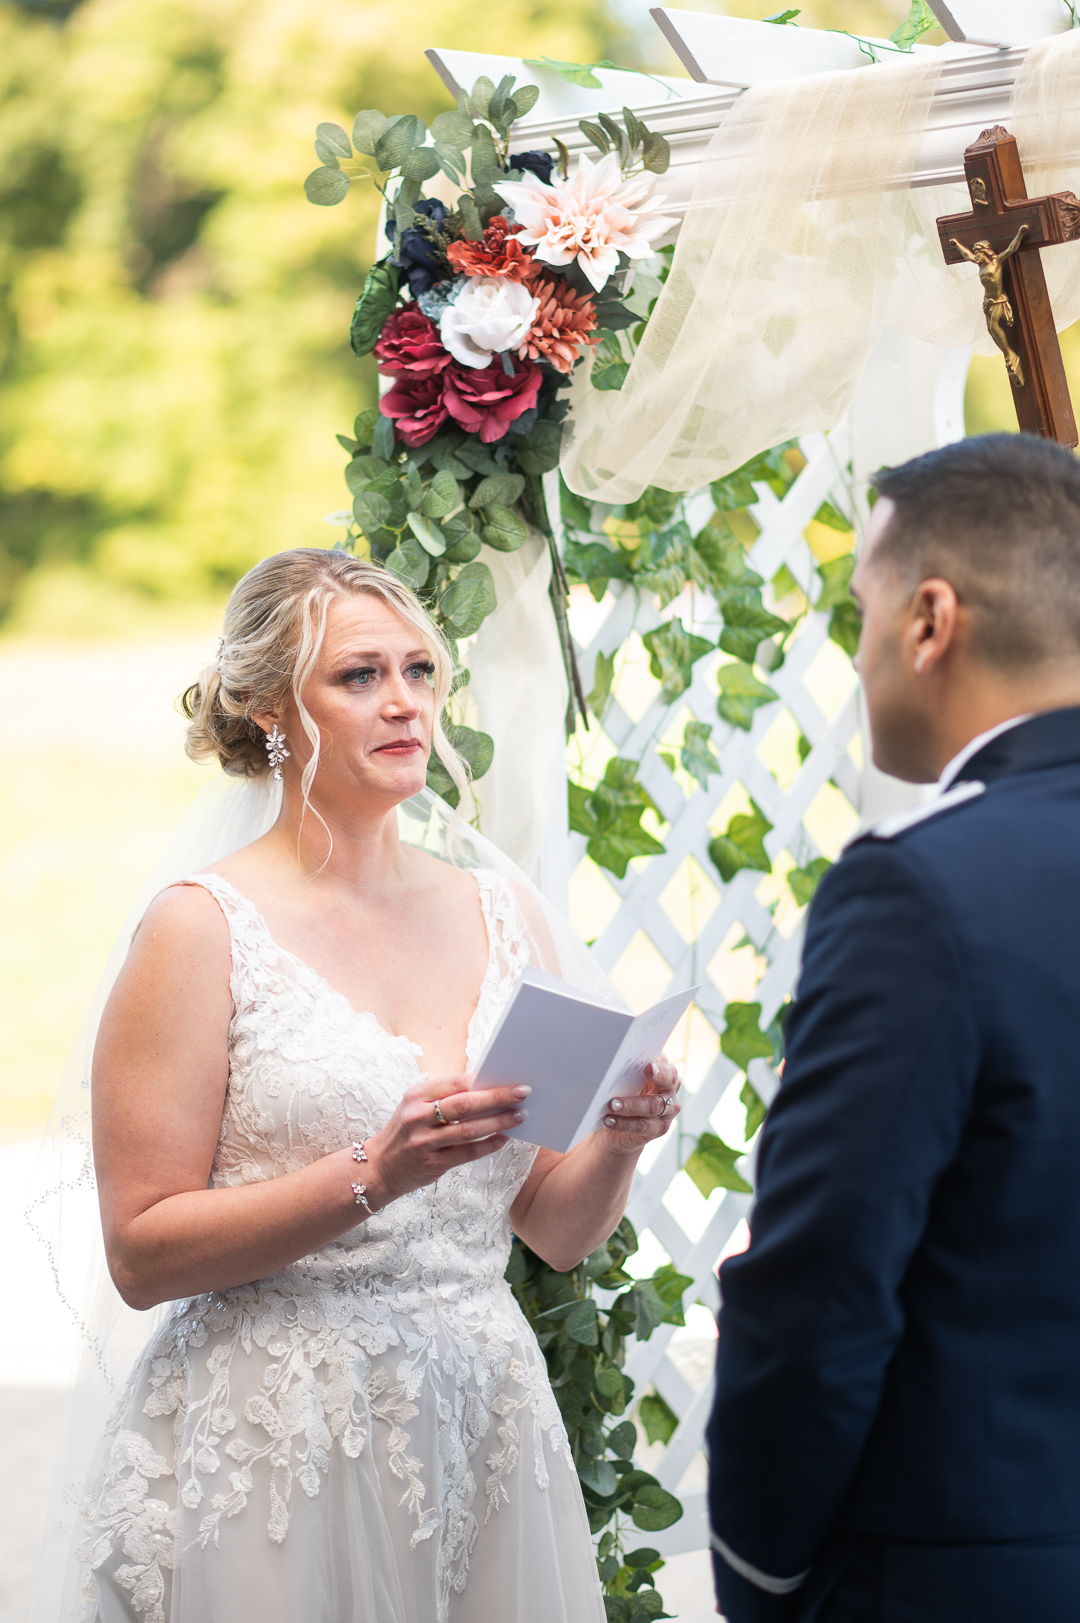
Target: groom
(896,1429)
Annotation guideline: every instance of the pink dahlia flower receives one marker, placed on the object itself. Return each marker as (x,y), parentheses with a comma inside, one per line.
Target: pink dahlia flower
(417,406)
(564,321)
(485,401)
(410,342)
(592,217)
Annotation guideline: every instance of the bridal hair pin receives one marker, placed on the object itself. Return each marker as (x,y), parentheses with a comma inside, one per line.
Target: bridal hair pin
(275,749)
(218,652)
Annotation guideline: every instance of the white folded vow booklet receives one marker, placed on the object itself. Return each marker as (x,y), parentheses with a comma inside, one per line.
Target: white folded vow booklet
(574,1053)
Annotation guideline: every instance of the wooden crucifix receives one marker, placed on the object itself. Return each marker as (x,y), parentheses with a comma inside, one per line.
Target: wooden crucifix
(1002,236)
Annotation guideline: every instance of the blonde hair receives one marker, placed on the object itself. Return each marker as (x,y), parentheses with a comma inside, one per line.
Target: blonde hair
(275,624)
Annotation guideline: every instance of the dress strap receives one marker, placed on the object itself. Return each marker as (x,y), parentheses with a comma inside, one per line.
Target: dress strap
(505,925)
(254,954)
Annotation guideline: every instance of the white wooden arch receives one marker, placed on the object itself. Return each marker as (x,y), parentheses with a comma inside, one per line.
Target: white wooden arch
(910,400)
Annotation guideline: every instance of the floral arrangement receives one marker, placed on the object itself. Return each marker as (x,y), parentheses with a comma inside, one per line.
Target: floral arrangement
(487,298)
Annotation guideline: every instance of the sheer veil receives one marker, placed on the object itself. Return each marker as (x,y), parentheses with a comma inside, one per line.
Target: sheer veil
(63,1213)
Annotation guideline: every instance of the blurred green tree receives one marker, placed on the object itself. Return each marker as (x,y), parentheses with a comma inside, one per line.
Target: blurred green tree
(174,358)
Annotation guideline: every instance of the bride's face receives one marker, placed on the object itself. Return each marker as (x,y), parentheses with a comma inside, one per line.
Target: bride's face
(370,696)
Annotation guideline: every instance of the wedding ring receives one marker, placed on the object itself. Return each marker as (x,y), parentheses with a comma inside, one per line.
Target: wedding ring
(440,1119)
(667,1104)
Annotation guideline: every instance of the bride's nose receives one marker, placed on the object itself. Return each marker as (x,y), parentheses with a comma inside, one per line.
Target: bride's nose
(400,698)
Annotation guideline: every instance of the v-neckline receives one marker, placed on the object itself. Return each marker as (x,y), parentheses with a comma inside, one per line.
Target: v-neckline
(414,1048)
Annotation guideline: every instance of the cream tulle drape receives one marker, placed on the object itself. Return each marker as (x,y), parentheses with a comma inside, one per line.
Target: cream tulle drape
(802,239)
(517,693)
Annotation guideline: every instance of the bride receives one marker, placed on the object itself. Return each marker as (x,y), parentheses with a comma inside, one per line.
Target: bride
(346,1418)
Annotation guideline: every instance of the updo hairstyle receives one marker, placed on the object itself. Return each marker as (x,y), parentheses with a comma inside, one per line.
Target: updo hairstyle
(275,623)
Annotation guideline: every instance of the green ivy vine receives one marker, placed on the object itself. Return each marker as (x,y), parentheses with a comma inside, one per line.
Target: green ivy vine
(584,1343)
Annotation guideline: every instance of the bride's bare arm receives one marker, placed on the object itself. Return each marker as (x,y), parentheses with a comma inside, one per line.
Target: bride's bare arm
(569,1204)
(159,1079)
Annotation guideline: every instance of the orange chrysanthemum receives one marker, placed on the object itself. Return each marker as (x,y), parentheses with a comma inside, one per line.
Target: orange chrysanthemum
(563,324)
(498,253)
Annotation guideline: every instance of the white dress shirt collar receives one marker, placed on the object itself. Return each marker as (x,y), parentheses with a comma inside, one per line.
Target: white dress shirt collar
(972,747)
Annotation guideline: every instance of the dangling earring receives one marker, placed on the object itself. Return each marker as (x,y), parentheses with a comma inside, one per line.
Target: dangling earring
(275,749)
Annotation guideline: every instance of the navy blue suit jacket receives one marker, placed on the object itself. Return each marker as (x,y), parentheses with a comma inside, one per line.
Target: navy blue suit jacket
(899,1351)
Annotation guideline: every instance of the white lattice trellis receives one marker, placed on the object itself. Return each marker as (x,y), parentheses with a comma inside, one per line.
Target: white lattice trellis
(674,957)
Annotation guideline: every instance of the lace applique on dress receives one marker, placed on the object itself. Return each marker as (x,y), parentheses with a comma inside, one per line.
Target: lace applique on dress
(398,1347)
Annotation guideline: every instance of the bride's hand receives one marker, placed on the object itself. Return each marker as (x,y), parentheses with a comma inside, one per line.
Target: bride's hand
(630,1122)
(416,1147)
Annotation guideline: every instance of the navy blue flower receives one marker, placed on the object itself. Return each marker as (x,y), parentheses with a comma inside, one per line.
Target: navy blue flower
(415,253)
(538,163)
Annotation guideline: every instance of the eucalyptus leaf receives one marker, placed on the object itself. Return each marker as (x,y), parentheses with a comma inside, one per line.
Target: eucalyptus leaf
(468,599)
(581,1325)
(371,511)
(443,495)
(409,562)
(525,99)
(456,129)
(335,140)
(504,530)
(420,164)
(451,160)
(499,490)
(368,126)
(361,471)
(463,548)
(364,424)
(382,441)
(470,218)
(428,534)
(539,450)
(326,155)
(398,140)
(656,154)
(480,95)
(623,1440)
(600,1476)
(477,748)
(326,186)
(592,132)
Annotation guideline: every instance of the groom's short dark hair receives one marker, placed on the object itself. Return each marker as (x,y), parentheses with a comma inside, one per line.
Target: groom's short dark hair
(998,516)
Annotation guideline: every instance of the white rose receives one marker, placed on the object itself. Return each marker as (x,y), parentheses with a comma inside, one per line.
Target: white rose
(490,314)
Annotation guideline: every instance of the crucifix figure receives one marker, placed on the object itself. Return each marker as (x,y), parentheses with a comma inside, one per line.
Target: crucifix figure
(996,305)
(1002,236)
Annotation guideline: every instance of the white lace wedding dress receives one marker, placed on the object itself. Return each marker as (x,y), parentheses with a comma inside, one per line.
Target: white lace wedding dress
(369,1435)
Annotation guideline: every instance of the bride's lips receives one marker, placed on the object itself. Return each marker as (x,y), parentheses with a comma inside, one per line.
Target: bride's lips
(400,746)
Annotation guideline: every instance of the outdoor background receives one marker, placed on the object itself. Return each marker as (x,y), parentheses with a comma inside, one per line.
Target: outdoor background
(174,364)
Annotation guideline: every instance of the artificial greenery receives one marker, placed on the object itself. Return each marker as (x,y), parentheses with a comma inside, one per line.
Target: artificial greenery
(584,1339)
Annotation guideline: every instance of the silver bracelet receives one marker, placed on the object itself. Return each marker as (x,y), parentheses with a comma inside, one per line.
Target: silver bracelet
(360,1196)
(360,1189)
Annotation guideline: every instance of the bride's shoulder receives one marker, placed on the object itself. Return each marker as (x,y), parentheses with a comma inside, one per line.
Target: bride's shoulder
(186,915)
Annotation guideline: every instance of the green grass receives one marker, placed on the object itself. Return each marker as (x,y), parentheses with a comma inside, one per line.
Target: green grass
(78,832)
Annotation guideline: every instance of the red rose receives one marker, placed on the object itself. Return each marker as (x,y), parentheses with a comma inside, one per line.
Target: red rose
(485,401)
(410,343)
(417,406)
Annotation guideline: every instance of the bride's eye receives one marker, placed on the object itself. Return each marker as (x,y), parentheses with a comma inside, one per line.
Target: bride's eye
(422,669)
(361,675)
